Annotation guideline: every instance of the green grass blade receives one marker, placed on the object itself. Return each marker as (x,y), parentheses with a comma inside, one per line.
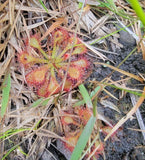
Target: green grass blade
(108,35)
(12,132)
(95,91)
(123,89)
(139,11)
(20,150)
(43,5)
(84,137)
(91,95)
(5,94)
(113,6)
(38,102)
(85,95)
(80,103)
(95,107)
(12,149)
(45,102)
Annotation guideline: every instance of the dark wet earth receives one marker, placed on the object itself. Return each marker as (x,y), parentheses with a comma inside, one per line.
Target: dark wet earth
(130,144)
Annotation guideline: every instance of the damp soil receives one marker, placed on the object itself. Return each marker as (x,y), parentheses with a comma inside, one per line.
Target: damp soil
(130,143)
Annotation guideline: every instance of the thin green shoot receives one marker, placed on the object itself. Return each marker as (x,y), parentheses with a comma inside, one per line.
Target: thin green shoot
(82,102)
(83,139)
(12,132)
(41,101)
(12,149)
(37,124)
(112,7)
(127,57)
(5,94)
(108,35)
(22,151)
(43,5)
(123,89)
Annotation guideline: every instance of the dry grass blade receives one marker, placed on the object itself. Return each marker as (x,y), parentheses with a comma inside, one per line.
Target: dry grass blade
(129,114)
(3,5)
(142,40)
(55,25)
(95,51)
(138,115)
(109,104)
(121,71)
(34,9)
(32,124)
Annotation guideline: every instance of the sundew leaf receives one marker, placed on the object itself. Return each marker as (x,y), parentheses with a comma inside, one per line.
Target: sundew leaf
(85,95)
(5,94)
(84,137)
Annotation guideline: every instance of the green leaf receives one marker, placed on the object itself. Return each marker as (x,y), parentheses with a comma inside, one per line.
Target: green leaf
(12,149)
(112,5)
(139,11)
(84,137)
(95,91)
(40,101)
(20,150)
(12,132)
(91,95)
(44,103)
(108,35)
(36,103)
(85,95)
(43,5)
(123,89)
(5,94)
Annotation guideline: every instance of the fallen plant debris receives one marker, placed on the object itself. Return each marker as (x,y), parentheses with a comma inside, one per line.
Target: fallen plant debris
(66,56)
(47,49)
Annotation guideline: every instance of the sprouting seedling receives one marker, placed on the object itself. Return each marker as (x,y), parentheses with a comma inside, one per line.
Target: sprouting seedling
(46,71)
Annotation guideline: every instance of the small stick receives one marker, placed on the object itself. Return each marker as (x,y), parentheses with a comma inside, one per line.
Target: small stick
(138,115)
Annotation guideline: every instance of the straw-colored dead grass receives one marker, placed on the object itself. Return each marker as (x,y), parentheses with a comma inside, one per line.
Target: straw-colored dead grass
(28,127)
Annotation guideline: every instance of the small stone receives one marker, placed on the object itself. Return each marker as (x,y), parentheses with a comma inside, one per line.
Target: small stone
(126,38)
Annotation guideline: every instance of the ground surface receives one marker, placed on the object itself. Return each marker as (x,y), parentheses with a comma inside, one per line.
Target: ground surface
(31,127)
(129,144)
